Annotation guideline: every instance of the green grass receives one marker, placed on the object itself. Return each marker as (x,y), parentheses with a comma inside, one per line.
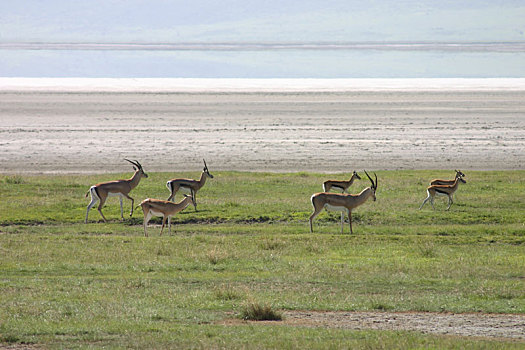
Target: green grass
(65,284)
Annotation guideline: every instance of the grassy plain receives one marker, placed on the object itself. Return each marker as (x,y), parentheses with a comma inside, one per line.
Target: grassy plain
(67,284)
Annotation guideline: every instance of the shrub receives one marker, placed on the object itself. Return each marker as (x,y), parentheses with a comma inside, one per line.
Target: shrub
(257,312)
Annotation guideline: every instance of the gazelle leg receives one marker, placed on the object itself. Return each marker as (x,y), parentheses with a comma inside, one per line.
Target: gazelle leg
(163,224)
(147,217)
(312,217)
(449,202)
(94,201)
(350,220)
(121,208)
(172,194)
(132,204)
(424,201)
(342,220)
(194,199)
(169,224)
(100,205)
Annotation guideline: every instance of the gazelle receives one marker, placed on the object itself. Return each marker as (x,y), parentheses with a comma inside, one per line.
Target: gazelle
(100,192)
(166,209)
(189,185)
(343,185)
(447,182)
(342,202)
(446,190)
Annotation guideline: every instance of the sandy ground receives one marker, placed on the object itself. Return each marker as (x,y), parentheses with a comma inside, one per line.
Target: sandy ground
(76,132)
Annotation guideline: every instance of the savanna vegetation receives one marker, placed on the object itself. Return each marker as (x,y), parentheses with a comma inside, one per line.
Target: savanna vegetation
(66,284)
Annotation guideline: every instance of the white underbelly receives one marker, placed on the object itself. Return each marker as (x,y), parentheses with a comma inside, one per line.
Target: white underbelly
(156,213)
(333,208)
(114,194)
(441,194)
(186,190)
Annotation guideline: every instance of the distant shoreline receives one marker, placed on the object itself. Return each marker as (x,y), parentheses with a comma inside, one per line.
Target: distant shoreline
(190,85)
(475,46)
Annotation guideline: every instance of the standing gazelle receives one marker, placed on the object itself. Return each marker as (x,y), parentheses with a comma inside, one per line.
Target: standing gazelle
(166,209)
(446,190)
(342,202)
(189,185)
(447,182)
(122,188)
(340,184)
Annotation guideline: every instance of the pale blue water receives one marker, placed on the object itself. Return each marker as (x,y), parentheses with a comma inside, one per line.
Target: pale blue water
(264,63)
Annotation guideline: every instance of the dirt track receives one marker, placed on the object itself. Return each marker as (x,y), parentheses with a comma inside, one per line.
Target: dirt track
(469,325)
(488,326)
(324,132)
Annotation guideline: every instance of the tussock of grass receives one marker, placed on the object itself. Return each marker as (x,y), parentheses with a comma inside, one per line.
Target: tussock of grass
(216,255)
(254,311)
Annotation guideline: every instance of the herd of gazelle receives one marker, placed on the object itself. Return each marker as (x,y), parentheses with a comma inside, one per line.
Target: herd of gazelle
(343,202)
(150,207)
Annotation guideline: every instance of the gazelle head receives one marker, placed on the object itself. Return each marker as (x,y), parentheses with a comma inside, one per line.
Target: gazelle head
(462,180)
(356,175)
(137,167)
(206,171)
(192,199)
(459,173)
(373,187)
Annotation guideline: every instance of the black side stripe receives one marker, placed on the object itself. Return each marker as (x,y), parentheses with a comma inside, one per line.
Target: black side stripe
(441,191)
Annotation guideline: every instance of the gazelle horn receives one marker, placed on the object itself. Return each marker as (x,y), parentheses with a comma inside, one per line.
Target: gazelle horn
(135,163)
(372,181)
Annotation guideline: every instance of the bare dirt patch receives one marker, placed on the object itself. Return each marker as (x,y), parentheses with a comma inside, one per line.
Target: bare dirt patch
(494,326)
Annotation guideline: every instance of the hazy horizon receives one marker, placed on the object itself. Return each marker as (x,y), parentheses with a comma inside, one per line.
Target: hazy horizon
(263,39)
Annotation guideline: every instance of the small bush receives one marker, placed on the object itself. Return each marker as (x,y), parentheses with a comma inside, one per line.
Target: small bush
(257,312)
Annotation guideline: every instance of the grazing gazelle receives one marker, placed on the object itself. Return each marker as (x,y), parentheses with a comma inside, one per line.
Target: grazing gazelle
(343,185)
(446,190)
(189,185)
(166,209)
(447,182)
(342,202)
(122,188)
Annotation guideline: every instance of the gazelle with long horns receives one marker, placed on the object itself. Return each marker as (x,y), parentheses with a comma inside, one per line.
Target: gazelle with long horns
(166,209)
(446,190)
(342,202)
(100,192)
(340,184)
(189,185)
(447,182)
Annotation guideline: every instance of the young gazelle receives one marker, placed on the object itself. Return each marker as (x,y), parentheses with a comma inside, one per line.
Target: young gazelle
(446,190)
(343,185)
(166,209)
(447,182)
(189,185)
(342,202)
(100,192)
